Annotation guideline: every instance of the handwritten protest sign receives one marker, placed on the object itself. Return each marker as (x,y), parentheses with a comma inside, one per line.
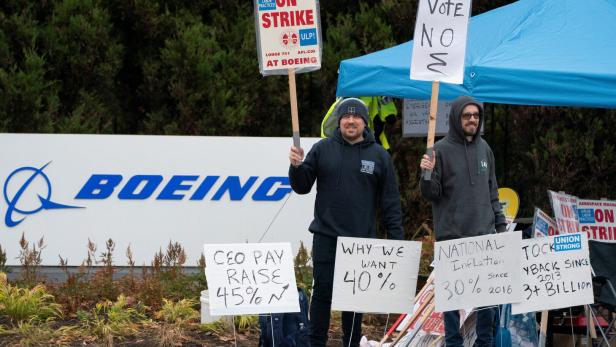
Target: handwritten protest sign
(596,218)
(250,278)
(477,271)
(555,273)
(374,275)
(439,45)
(288,35)
(565,212)
(543,224)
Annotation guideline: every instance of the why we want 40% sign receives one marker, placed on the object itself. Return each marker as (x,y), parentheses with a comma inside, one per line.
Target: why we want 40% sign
(368,268)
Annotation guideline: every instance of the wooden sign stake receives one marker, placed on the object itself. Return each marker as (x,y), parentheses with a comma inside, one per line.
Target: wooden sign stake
(402,316)
(427,174)
(420,312)
(294,117)
(590,323)
(543,328)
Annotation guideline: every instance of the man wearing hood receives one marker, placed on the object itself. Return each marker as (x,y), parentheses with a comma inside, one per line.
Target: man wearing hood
(464,196)
(355,177)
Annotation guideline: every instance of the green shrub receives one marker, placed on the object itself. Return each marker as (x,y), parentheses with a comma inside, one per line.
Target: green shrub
(246,322)
(23,304)
(180,312)
(3,267)
(108,320)
(303,271)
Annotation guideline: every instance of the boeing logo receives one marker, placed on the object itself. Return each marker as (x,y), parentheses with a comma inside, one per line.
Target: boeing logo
(141,187)
(31,182)
(28,190)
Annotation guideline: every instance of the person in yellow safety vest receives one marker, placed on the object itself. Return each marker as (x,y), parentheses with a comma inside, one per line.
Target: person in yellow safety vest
(380,109)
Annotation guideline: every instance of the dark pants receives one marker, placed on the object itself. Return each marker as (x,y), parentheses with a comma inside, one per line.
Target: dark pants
(484,328)
(324,255)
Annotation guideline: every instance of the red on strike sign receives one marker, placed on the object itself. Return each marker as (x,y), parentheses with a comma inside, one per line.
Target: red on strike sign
(288,35)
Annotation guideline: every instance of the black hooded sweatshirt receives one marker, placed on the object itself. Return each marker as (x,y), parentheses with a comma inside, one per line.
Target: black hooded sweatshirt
(352,182)
(463,188)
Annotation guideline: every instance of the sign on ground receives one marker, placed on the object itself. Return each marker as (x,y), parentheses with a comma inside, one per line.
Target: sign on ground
(543,224)
(250,278)
(555,273)
(477,271)
(565,212)
(596,218)
(374,275)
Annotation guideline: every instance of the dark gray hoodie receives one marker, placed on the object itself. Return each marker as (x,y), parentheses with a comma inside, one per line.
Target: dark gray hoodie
(463,188)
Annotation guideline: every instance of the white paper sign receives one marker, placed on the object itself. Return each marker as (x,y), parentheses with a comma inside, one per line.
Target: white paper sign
(250,278)
(439,45)
(374,275)
(555,273)
(288,35)
(416,113)
(477,271)
(596,218)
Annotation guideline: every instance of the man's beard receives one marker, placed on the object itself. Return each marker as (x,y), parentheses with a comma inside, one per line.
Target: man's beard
(351,138)
(468,133)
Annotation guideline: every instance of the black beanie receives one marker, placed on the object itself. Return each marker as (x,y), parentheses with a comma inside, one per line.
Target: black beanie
(352,106)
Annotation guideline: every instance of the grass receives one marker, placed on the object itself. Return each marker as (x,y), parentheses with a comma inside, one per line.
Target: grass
(109,320)
(18,305)
(175,319)
(180,312)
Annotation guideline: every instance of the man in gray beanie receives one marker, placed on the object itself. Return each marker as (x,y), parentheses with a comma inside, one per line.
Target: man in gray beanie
(351,106)
(355,178)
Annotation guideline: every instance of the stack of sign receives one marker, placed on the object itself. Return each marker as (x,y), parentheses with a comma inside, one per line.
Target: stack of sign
(550,271)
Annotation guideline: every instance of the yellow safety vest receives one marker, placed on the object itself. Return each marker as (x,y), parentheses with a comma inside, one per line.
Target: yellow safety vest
(378,106)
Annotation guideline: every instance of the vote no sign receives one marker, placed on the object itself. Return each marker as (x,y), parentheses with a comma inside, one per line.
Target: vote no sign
(439,44)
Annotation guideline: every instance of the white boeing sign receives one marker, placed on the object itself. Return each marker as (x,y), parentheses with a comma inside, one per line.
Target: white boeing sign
(145,191)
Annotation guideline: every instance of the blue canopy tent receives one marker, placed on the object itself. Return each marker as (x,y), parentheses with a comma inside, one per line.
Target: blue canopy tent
(531,52)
